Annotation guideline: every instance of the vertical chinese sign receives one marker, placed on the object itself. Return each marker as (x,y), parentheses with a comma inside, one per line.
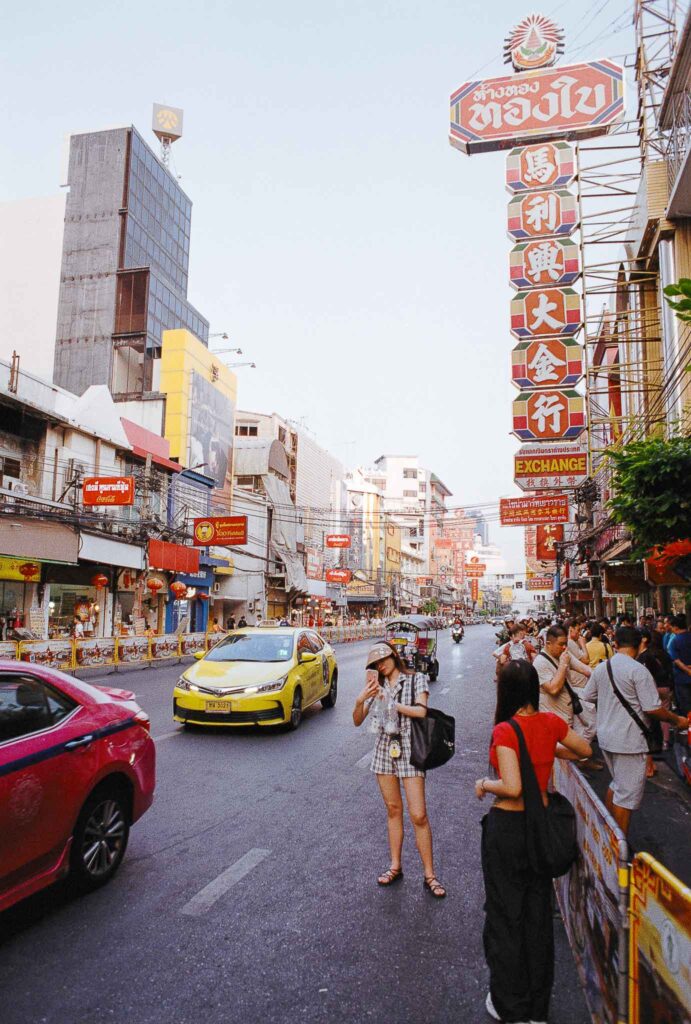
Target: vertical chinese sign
(536,114)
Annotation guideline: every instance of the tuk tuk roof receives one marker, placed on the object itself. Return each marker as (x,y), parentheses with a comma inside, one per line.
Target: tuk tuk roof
(414,622)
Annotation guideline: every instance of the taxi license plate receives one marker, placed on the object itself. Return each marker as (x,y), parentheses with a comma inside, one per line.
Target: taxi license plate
(222,706)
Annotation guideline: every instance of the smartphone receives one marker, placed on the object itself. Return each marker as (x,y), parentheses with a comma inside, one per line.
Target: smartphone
(371,675)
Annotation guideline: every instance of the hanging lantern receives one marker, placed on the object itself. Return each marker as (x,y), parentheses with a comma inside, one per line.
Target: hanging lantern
(99,581)
(154,585)
(179,589)
(203,596)
(28,569)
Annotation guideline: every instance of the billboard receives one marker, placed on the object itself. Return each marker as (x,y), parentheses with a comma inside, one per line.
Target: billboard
(549,362)
(570,102)
(108,490)
(548,415)
(211,431)
(550,467)
(552,508)
(223,530)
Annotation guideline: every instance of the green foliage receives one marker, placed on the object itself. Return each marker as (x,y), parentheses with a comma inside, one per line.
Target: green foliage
(683,306)
(652,484)
(430,607)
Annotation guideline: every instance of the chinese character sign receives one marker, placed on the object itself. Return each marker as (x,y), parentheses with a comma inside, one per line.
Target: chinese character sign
(552,508)
(549,261)
(547,537)
(552,362)
(546,467)
(550,165)
(548,415)
(542,214)
(546,311)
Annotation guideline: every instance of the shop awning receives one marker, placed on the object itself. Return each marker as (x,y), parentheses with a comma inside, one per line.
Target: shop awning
(43,540)
(110,552)
(174,557)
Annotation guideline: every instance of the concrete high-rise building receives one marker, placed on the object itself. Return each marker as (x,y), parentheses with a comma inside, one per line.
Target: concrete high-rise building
(125,260)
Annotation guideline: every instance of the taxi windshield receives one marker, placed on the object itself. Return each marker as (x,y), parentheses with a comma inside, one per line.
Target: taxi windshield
(252,647)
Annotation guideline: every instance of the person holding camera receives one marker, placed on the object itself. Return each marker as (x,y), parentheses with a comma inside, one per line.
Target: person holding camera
(393,695)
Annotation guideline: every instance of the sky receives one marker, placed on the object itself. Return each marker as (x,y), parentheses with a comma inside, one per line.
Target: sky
(337,238)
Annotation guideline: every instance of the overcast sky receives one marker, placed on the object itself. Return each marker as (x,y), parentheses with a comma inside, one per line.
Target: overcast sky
(336,236)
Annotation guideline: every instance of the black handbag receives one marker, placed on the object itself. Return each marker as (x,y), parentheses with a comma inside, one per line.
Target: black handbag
(653,737)
(432,738)
(551,838)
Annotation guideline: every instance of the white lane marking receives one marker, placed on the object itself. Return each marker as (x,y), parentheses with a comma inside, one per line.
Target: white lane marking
(459,676)
(364,760)
(167,735)
(212,892)
(446,689)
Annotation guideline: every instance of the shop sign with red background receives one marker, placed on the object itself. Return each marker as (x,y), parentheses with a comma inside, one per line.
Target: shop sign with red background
(548,415)
(575,101)
(314,567)
(551,261)
(338,540)
(546,214)
(546,312)
(552,508)
(338,575)
(545,582)
(546,165)
(547,537)
(543,467)
(474,589)
(223,530)
(108,490)
(547,363)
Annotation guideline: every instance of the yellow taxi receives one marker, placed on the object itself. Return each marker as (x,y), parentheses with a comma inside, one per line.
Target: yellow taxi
(258,676)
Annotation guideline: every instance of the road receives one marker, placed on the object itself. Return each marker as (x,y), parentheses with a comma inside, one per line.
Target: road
(248,892)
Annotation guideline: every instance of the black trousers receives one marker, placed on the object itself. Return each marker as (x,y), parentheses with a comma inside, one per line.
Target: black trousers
(518,934)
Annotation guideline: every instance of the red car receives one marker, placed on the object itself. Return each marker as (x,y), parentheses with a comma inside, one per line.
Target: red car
(77,768)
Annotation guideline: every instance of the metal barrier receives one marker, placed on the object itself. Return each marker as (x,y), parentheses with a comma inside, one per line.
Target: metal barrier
(593,898)
(660,946)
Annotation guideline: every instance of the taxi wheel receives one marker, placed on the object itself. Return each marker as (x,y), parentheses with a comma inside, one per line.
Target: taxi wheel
(330,699)
(295,710)
(100,837)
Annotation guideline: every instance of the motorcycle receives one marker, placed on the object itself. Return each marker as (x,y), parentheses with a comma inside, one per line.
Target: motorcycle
(457,634)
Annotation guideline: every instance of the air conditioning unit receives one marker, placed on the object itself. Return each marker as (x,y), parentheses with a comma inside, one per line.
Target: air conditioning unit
(17,487)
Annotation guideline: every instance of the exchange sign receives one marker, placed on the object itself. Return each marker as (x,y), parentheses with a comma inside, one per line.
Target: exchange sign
(576,101)
(542,215)
(551,508)
(548,415)
(222,530)
(550,165)
(551,362)
(338,540)
(544,312)
(552,261)
(543,467)
(108,490)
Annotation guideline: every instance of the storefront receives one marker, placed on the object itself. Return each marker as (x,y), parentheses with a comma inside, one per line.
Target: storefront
(190,612)
(18,592)
(79,600)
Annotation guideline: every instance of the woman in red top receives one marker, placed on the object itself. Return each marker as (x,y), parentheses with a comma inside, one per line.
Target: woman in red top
(518,939)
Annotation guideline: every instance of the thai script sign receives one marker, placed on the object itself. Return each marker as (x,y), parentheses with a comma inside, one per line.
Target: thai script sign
(593,906)
(542,215)
(551,165)
(544,312)
(338,540)
(108,490)
(660,947)
(551,261)
(220,530)
(548,415)
(550,362)
(576,101)
(550,508)
(338,575)
(538,467)
(544,582)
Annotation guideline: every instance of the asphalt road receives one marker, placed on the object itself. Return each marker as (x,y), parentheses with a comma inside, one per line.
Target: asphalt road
(249,893)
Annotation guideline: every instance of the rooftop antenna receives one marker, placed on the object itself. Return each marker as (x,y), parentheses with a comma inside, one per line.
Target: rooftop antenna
(167,127)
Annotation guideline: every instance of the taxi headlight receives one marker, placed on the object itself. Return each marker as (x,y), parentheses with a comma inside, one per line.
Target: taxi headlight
(185,684)
(278,684)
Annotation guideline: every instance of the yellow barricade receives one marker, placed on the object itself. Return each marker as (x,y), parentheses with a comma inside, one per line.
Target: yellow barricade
(53,653)
(660,944)
(133,650)
(95,652)
(8,650)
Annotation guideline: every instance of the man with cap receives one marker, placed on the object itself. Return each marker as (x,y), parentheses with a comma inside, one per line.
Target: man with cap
(394,695)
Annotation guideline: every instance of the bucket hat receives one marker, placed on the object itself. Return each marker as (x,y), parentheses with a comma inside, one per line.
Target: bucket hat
(378,652)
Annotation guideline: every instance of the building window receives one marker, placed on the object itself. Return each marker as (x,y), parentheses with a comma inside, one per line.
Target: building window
(423,488)
(10,469)
(245,481)
(410,474)
(410,494)
(246,431)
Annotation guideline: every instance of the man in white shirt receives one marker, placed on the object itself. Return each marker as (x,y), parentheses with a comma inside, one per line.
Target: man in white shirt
(556,667)
(622,740)
(584,724)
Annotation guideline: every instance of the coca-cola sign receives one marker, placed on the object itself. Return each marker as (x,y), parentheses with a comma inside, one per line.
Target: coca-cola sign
(576,101)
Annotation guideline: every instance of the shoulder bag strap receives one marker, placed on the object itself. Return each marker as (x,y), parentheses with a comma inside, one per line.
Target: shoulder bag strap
(567,684)
(543,654)
(625,704)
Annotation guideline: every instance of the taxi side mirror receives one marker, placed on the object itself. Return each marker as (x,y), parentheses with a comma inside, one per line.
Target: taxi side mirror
(306,656)
(198,655)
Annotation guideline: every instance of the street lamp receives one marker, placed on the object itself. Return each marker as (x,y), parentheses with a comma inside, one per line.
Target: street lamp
(225,351)
(234,366)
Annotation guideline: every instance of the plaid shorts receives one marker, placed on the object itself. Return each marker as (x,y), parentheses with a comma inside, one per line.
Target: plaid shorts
(381,763)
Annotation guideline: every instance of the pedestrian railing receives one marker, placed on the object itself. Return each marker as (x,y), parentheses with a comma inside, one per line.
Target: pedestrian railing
(97,652)
(629,925)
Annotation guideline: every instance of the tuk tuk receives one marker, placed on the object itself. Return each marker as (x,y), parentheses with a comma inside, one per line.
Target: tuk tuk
(415,637)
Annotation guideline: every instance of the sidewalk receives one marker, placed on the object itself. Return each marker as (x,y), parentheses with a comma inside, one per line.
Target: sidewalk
(662,825)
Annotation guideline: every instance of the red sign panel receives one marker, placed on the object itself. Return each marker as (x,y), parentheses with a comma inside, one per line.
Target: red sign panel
(550,261)
(175,557)
(546,539)
(338,575)
(547,363)
(550,165)
(544,312)
(540,583)
(474,589)
(538,467)
(474,573)
(338,540)
(551,508)
(225,530)
(548,415)
(542,215)
(108,490)
(575,101)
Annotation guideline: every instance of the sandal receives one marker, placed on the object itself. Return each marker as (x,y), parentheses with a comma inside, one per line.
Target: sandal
(434,886)
(390,876)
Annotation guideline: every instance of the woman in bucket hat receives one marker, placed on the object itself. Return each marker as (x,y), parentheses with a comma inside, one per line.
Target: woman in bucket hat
(394,695)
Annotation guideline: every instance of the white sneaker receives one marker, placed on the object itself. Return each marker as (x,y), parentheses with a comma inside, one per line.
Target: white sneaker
(489,1006)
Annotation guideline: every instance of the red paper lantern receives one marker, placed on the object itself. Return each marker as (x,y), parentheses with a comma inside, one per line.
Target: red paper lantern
(99,581)
(154,585)
(203,596)
(28,569)
(178,588)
